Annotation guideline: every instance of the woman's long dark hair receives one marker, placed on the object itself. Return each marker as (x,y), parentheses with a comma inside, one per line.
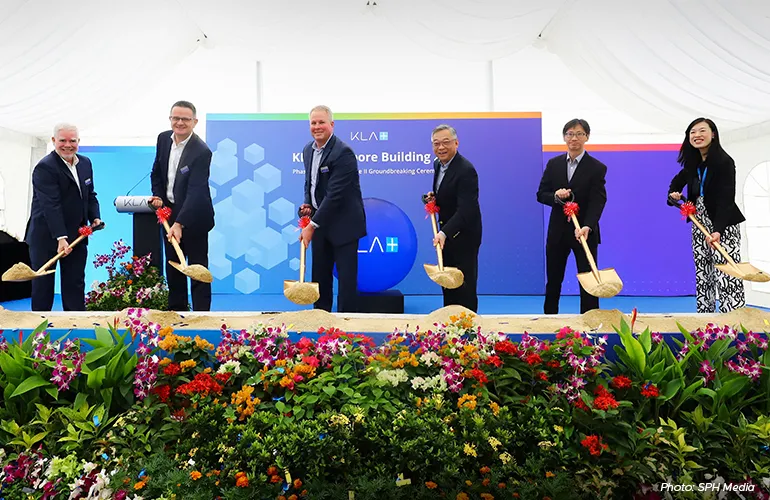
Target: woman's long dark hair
(689,155)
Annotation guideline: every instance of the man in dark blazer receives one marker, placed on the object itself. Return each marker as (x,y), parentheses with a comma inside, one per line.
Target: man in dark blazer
(63,200)
(574,176)
(456,192)
(334,203)
(180,180)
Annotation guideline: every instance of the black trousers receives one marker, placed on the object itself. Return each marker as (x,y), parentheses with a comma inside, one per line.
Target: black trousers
(325,256)
(557,251)
(466,259)
(195,246)
(72,269)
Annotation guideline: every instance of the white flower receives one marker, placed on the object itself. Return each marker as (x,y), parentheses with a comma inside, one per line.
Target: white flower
(430,358)
(231,366)
(393,377)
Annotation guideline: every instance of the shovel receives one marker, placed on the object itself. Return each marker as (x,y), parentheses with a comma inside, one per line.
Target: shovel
(22,272)
(301,292)
(194,271)
(740,270)
(603,284)
(447,277)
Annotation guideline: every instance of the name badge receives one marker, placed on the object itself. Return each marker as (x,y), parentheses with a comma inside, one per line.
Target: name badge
(324,170)
(184,169)
(87,182)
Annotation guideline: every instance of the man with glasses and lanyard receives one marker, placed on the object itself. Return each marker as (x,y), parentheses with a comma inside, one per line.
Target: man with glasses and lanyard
(180,180)
(574,176)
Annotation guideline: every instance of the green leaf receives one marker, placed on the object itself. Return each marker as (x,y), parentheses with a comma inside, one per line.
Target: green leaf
(347,391)
(330,390)
(96,377)
(376,393)
(645,339)
(705,391)
(97,354)
(732,387)
(281,406)
(311,400)
(672,387)
(104,336)
(107,397)
(10,367)
(80,400)
(29,384)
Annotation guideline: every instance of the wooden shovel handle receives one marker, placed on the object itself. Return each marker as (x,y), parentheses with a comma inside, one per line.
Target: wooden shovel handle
(175,244)
(439,253)
(59,255)
(719,247)
(302,261)
(589,255)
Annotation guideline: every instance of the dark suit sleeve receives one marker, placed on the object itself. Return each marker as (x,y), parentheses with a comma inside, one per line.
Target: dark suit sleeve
(93,202)
(598,197)
(46,186)
(725,192)
(678,183)
(197,188)
(546,191)
(156,176)
(341,179)
(467,201)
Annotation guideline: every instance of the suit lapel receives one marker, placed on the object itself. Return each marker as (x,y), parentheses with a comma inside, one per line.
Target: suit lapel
(581,167)
(65,167)
(436,168)
(187,153)
(451,171)
(82,176)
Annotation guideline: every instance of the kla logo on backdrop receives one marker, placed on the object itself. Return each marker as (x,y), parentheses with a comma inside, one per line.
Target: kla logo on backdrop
(388,251)
(368,136)
(391,245)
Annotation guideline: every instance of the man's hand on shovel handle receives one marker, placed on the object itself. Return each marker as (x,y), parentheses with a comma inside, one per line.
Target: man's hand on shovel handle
(156,202)
(64,246)
(175,233)
(582,232)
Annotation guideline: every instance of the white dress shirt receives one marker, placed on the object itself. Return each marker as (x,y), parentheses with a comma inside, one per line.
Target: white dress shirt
(74,171)
(173,164)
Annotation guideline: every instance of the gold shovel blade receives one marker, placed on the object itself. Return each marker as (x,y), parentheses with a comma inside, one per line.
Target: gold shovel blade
(609,286)
(304,293)
(449,277)
(194,271)
(20,276)
(744,271)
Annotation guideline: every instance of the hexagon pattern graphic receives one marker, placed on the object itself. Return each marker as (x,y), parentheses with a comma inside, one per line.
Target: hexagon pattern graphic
(253,229)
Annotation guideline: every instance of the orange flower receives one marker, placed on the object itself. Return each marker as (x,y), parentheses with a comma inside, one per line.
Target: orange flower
(485,482)
(431,485)
(292,497)
(462,496)
(297,484)
(139,485)
(501,486)
(485,470)
(550,474)
(487,496)
(242,482)
(129,282)
(468,482)
(195,475)
(275,479)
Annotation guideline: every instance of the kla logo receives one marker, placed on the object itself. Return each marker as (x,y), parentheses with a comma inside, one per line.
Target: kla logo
(391,245)
(368,136)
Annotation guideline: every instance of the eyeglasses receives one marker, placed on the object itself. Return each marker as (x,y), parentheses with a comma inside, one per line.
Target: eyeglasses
(445,143)
(183,119)
(579,135)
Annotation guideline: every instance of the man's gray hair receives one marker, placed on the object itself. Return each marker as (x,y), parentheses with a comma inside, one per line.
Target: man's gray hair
(444,126)
(64,126)
(327,109)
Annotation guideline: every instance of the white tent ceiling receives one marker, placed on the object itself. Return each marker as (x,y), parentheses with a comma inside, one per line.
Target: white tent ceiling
(660,62)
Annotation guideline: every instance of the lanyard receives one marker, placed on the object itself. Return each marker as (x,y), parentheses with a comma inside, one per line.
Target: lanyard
(702,179)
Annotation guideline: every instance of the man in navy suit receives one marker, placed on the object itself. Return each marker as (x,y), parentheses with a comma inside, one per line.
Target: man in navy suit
(180,180)
(334,203)
(579,177)
(63,200)
(456,192)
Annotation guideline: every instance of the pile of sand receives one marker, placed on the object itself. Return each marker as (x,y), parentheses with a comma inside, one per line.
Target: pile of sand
(750,318)
(309,320)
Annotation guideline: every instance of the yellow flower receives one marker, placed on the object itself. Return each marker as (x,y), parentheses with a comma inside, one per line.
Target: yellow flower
(467,401)
(545,444)
(470,450)
(165,361)
(495,408)
(487,496)
(462,496)
(203,345)
(187,364)
(494,443)
(339,420)
(468,482)
(505,457)
(558,428)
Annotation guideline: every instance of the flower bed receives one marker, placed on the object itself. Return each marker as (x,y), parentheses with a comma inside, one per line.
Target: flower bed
(450,412)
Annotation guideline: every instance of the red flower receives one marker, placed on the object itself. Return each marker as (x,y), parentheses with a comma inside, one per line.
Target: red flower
(163,392)
(621,382)
(203,384)
(553,364)
(563,333)
(506,347)
(650,391)
(494,360)
(478,375)
(222,378)
(579,403)
(172,370)
(594,445)
(533,359)
(304,344)
(604,400)
(542,376)
(312,361)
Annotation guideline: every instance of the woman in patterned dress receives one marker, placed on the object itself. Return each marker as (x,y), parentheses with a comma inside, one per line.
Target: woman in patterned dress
(709,174)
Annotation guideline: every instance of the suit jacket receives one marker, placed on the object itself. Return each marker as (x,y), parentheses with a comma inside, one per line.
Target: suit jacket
(718,190)
(340,210)
(588,187)
(58,208)
(192,206)
(458,200)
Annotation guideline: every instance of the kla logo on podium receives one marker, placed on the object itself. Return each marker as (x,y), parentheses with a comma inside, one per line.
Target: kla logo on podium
(368,136)
(388,251)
